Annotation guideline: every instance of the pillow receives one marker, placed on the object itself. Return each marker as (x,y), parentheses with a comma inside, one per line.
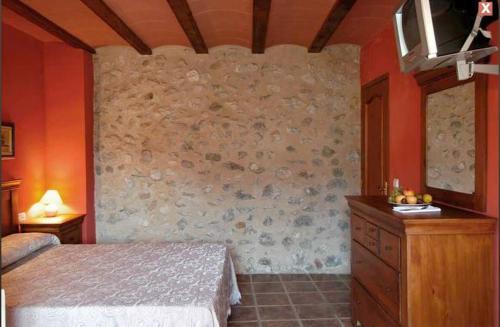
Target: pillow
(19,245)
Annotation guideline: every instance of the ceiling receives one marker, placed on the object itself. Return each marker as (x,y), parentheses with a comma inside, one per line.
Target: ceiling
(220,22)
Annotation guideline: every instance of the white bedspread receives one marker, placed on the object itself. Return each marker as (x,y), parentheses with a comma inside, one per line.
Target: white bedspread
(140,284)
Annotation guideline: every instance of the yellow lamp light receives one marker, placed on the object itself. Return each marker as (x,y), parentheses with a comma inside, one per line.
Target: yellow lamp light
(51,200)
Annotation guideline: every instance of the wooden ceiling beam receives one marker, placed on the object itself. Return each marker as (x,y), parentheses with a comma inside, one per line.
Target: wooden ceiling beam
(261,9)
(186,20)
(102,10)
(36,18)
(338,12)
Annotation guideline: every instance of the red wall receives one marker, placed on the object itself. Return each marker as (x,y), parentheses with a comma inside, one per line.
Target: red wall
(48,94)
(68,77)
(380,57)
(23,104)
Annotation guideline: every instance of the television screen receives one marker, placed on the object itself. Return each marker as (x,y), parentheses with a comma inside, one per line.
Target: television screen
(452,20)
(410,25)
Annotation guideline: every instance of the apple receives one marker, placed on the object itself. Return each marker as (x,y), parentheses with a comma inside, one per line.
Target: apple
(427,198)
(409,192)
(399,198)
(411,199)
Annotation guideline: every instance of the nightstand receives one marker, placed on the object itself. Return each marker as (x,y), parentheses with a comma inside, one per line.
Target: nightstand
(67,227)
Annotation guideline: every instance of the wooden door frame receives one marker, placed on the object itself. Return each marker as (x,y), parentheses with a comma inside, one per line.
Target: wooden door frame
(385,132)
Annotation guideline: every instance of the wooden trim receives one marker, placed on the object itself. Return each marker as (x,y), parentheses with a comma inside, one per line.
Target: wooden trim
(12,184)
(118,25)
(385,131)
(338,12)
(261,9)
(36,18)
(186,20)
(435,81)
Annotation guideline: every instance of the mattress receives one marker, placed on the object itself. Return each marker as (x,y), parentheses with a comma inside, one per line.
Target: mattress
(140,284)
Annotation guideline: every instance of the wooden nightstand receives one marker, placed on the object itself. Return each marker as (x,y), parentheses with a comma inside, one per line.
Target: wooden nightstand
(67,227)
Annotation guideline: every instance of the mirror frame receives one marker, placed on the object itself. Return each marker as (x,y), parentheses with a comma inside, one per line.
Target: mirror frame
(441,79)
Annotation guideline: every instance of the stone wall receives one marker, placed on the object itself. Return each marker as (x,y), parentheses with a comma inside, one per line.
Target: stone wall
(256,151)
(451,139)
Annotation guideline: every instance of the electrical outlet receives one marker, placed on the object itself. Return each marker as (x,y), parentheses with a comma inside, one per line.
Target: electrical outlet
(21,216)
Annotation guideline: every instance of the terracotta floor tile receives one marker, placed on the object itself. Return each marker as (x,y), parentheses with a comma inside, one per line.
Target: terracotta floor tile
(245,288)
(324,277)
(338,297)
(243,314)
(295,277)
(246,300)
(342,310)
(306,298)
(243,324)
(276,313)
(322,323)
(281,323)
(264,278)
(329,286)
(268,288)
(243,278)
(272,299)
(316,311)
(300,286)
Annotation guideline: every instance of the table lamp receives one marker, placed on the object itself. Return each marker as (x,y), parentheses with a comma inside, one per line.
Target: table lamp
(51,200)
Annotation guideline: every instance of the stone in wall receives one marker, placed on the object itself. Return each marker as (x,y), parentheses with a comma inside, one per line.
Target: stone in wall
(256,151)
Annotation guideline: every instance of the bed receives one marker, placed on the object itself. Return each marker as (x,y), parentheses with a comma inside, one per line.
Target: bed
(137,284)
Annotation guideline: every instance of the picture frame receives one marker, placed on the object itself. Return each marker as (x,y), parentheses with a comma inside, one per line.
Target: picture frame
(8,140)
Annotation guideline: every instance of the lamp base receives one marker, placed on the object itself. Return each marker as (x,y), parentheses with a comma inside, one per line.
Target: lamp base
(50,210)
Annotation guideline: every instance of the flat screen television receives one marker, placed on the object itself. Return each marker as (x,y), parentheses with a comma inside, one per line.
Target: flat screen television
(430,33)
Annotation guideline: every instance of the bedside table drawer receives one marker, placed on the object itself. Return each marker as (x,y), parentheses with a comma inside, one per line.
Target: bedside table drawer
(71,236)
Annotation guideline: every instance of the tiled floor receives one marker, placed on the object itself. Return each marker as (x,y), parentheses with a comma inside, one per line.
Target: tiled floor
(290,300)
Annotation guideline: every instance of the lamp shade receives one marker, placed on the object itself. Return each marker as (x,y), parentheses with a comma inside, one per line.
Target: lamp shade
(51,197)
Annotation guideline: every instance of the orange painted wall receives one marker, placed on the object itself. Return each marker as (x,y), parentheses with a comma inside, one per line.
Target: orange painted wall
(68,79)
(379,57)
(23,104)
(48,94)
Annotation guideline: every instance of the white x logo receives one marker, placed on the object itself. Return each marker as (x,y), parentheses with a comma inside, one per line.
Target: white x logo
(485,8)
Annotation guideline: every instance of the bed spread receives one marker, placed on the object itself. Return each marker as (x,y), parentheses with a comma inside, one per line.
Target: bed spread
(140,284)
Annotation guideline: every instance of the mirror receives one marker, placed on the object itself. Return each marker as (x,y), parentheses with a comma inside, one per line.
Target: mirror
(454,138)
(450,139)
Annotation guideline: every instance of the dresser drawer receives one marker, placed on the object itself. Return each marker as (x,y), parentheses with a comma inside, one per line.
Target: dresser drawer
(370,244)
(377,277)
(372,230)
(358,226)
(390,249)
(366,310)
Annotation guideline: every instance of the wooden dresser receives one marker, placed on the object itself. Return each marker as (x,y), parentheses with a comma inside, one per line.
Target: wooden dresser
(420,270)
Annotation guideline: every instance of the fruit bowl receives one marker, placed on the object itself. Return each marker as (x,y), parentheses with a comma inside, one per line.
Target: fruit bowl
(409,205)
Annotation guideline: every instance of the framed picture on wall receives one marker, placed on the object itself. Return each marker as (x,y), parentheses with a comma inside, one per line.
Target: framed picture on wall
(7,137)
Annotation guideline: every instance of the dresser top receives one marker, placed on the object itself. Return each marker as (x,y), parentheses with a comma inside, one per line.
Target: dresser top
(377,208)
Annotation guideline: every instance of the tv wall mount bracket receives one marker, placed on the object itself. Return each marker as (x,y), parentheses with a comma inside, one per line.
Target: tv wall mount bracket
(467,68)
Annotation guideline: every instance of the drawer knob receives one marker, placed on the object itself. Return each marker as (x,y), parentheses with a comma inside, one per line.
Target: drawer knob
(388,289)
(388,248)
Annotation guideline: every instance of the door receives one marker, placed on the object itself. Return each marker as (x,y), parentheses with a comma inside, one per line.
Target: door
(375,136)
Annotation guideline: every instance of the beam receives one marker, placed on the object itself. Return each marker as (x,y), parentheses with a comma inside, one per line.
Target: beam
(118,25)
(338,12)
(186,20)
(36,18)
(261,10)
